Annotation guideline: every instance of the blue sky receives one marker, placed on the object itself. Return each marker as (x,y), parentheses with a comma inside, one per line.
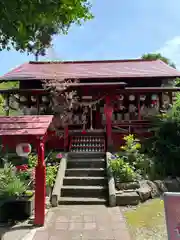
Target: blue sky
(121,29)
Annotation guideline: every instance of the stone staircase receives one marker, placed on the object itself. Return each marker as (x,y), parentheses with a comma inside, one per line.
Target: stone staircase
(85,180)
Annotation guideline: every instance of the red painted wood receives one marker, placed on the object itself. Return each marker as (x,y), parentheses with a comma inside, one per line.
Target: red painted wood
(3,140)
(40,187)
(12,141)
(27,119)
(23,125)
(108,110)
(52,141)
(31,131)
(55,142)
(118,140)
(66,138)
(92,69)
(98,124)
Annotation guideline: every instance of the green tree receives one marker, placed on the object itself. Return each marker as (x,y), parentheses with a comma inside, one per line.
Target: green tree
(156,56)
(29,25)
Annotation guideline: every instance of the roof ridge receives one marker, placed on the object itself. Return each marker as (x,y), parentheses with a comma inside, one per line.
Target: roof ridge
(93,61)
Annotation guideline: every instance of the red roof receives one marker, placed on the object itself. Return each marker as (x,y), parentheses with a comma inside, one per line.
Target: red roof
(137,68)
(25,125)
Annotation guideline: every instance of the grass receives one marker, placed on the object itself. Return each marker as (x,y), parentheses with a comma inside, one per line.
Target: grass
(147,221)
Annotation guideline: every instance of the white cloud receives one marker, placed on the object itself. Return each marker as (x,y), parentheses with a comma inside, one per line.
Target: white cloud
(171,50)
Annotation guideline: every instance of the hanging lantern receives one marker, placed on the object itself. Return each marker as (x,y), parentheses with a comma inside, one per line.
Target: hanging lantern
(121,97)
(42,109)
(26,111)
(33,98)
(131,97)
(33,111)
(86,109)
(121,107)
(44,99)
(94,107)
(154,97)
(6,108)
(142,97)
(23,99)
(23,149)
(154,100)
(132,108)
(16,96)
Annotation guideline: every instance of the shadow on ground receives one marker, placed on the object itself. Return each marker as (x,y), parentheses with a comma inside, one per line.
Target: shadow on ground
(16,231)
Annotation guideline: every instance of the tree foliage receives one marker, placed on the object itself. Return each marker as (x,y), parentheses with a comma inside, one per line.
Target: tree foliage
(156,56)
(29,25)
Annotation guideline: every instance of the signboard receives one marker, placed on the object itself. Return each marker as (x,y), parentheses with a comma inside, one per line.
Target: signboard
(172,214)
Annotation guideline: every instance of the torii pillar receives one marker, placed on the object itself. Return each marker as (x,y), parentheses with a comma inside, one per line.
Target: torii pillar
(40,186)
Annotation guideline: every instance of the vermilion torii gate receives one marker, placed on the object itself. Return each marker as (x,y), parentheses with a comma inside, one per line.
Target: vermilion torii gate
(31,129)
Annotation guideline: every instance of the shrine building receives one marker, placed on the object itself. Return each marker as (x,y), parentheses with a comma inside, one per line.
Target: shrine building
(116,97)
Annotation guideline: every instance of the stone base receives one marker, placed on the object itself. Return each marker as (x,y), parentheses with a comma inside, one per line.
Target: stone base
(127,198)
(127,186)
(144,193)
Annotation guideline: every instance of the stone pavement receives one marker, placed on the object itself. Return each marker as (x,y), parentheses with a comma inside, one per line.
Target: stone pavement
(17,232)
(83,223)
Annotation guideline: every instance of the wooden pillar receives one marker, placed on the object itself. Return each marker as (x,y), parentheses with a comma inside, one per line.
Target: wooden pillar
(91,118)
(66,138)
(160,101)
(40,186)
(7,104)
(108,111)
(37,102)
(139,107)
(170,97)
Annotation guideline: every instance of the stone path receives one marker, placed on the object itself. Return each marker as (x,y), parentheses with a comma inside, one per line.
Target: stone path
(83,223)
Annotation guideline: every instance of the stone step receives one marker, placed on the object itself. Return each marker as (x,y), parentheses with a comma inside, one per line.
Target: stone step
(85,172)
(127,198)
(84,191)
(85,155)
(82,201)
(86,163)
(85,181)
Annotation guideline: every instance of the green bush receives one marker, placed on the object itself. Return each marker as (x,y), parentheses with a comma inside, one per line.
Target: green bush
(164,147)
(122,171)
(14,189)
(131,153)
(32,160)
(10,183)
(130,164)
(24,175)
(51,172)
(51,169)
(53,158)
